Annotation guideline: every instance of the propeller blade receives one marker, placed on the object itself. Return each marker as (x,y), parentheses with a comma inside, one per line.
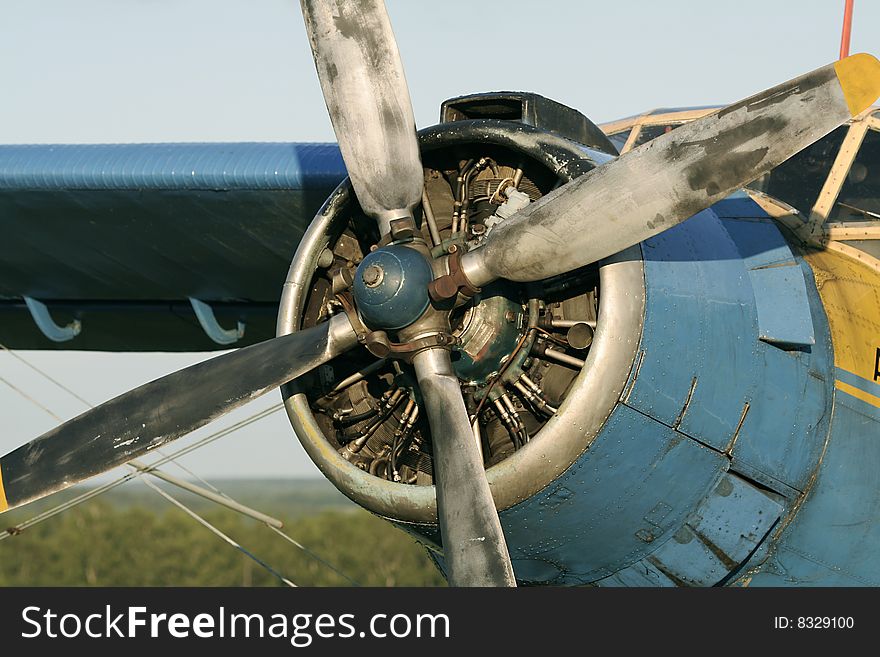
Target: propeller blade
(671,178)
(473,543)
(366,93)
(163,410)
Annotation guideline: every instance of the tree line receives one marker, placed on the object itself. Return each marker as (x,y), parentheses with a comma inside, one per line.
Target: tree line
(101,544)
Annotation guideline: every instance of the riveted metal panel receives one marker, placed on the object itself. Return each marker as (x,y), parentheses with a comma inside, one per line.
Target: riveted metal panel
(833,539)
(704,370)
(785,429)
(700,327)
(735,517)
(718,537)
(789,567)
(727,374)
(783,311)
(643,573)
(688,560)
(757,239)
(674,276)
(792,402)
(759,242)
(635,486)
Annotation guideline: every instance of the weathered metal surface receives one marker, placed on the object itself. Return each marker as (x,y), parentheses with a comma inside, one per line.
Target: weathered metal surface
(784,432)
(781,304)
(163,410)
(778,285)
(591,398)
(717,538)
(759,242)
(833,538)
(367,96)
(631,490)
(672,177)
(474,549)
(832,541)
(702,327)
(734,518)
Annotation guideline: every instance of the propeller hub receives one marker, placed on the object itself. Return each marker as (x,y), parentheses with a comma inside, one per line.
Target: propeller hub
(373,275)
(391,287)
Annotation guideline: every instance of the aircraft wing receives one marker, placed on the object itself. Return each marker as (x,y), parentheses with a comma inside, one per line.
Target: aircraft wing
(103,246)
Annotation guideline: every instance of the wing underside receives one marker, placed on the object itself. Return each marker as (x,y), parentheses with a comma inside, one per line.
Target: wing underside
(120,237)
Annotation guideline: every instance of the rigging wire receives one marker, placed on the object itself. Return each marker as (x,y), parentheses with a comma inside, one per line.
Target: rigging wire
(215,530)
(30,399)
(314,556)
(94,492)
(79,398)
(46,376)
(222,433)
(172,458)
(85,402)
(195,516)
(292,540)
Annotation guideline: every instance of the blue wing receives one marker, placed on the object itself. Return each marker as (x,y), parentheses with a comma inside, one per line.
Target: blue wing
(120,236)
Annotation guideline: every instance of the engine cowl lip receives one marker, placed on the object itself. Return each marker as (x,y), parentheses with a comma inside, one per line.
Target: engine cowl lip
(591,399)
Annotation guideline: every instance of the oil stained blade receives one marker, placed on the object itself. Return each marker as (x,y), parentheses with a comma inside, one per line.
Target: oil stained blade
(368,99)
(671,178)
(475,552)
(163,410)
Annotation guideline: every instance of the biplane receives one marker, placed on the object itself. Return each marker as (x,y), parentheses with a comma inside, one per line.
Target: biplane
(554,354)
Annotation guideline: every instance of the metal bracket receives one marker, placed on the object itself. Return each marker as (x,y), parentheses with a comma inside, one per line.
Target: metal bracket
(450,285)
(378,344)
(48,327)
(211,327)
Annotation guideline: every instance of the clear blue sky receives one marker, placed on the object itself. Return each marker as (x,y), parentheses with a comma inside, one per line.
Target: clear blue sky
(231,70)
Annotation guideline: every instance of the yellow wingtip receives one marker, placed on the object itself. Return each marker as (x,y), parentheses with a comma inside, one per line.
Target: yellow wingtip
(859,77)
(3,503)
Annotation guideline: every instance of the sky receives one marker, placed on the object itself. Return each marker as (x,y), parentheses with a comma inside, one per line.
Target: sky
(96,71)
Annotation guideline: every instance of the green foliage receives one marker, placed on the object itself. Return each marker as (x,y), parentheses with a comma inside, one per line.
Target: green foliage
(100,543)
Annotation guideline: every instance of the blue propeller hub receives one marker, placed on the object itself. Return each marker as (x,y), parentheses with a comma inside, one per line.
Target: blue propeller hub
(391,287)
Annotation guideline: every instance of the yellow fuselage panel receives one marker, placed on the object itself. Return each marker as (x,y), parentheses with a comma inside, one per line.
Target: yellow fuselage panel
(850,293)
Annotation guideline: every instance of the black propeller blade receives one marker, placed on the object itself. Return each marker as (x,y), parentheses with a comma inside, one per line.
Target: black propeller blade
(163,410)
